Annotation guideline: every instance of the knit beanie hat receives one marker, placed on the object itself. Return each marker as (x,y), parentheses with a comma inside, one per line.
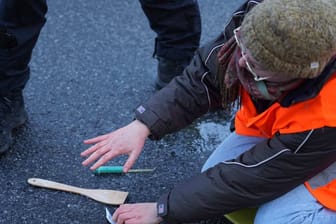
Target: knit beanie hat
(292,37)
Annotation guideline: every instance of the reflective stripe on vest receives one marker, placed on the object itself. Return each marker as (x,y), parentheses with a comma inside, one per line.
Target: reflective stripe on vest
(323,187)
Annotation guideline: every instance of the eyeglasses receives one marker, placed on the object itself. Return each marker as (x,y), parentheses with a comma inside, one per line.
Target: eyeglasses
(256,77)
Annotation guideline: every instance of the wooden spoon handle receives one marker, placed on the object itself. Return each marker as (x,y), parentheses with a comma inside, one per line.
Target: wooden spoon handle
(54,185)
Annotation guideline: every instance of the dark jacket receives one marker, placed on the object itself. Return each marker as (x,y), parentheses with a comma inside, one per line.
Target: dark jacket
(257,176)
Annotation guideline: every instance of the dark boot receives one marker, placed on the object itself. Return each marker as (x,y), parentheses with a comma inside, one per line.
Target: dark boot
(12,115)
(167,70)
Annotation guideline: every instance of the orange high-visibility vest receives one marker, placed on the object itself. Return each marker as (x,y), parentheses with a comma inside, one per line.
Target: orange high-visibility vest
(314,113)
(325,193)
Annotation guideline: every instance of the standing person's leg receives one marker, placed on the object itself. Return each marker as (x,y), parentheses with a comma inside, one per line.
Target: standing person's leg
(177,24)
(20,25)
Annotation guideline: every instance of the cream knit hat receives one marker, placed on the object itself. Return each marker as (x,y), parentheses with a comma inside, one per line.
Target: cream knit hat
(292,37)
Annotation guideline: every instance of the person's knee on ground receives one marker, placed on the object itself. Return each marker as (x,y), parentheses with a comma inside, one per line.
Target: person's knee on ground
(296,207)
(230,148)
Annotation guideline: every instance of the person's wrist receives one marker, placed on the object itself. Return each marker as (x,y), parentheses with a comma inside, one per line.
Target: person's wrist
(142,127)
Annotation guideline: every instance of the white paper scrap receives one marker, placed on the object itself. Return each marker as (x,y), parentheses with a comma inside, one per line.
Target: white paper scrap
(109,216)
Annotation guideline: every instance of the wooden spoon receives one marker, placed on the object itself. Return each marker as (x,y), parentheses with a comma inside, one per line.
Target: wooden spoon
(111,197)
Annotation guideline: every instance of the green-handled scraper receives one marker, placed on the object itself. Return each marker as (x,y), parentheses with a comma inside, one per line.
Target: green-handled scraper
(119,169)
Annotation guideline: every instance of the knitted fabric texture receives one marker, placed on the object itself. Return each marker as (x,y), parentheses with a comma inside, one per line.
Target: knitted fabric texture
(292,37)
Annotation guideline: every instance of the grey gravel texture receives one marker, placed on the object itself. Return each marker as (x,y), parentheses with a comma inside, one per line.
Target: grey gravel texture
(92,65)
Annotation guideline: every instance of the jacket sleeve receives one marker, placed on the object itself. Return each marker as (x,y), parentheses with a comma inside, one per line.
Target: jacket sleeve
(265,172)
(195,92)
(186,97)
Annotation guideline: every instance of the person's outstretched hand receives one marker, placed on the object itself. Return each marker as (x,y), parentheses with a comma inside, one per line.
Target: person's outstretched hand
(128,140)
(141,213)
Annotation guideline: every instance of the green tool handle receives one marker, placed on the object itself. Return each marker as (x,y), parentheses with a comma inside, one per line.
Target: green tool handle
(119,169)
(109,169)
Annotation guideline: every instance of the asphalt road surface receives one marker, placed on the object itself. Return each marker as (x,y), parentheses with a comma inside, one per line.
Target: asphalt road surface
(91,67)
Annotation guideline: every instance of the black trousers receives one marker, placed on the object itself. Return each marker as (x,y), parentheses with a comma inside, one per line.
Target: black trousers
(20,25)
(177,24)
